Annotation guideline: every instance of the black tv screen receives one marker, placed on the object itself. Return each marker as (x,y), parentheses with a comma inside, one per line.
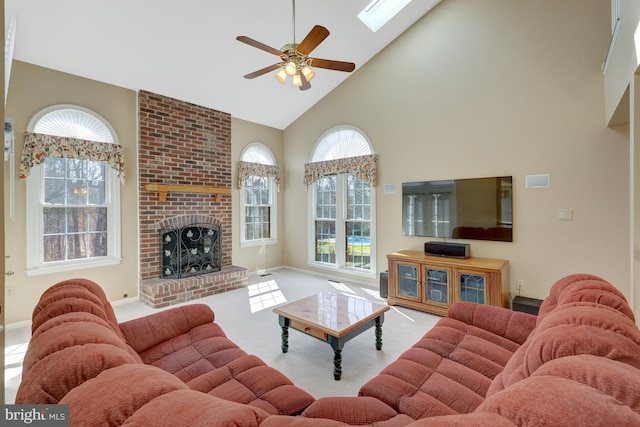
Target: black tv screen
(477,208)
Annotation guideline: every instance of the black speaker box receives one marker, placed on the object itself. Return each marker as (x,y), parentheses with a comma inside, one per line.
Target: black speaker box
(451,250)
(526,305)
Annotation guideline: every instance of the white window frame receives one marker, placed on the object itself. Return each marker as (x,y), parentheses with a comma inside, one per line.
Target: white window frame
(258,152)
(35,205)
(341,217)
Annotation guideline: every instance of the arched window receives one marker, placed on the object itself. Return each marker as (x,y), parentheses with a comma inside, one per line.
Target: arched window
(341,176)
(258,179)
(73,204)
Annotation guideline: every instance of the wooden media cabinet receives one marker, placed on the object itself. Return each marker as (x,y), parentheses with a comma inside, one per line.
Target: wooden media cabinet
(432,283)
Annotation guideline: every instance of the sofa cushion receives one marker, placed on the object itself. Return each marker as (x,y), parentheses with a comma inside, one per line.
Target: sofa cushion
(447,372)
(555,401)
(146,332)
(249,380)
(52,377)
(585,288)
(573,329)
(116,394)
(351,410)
(70,334)
(616,379)
(191,354)
(141,395)
(74,295)
(190,408)
(505,327)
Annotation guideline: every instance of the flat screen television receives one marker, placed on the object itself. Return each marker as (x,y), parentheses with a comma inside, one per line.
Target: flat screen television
(476,208)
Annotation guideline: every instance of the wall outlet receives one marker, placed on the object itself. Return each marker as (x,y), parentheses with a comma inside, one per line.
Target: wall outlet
(10,291)
(519,284)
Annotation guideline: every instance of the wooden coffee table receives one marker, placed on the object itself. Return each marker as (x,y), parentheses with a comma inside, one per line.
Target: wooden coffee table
(333,318)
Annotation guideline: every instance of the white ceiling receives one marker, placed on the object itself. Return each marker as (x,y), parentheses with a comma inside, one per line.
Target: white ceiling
(187,50)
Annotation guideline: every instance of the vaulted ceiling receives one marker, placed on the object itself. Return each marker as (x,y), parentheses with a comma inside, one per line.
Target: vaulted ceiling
(188,50)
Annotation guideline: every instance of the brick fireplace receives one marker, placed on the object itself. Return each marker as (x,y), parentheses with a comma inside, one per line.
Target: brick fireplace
(186,149)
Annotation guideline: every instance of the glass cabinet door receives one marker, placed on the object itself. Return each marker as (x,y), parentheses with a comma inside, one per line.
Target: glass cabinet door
(438,285)
(473,288)
(408,280)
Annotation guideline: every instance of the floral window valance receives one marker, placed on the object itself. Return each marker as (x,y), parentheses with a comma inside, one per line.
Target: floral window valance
(363,167)
(38,146)
(247,169)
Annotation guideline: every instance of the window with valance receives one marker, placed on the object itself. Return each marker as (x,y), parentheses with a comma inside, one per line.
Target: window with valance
(342,179)
(73,166)
(259,181)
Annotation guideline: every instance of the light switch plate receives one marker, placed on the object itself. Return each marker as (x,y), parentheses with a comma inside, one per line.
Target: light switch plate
(565,214)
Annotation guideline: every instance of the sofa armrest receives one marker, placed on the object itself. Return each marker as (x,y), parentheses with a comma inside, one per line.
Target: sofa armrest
(148,331)
(512,325)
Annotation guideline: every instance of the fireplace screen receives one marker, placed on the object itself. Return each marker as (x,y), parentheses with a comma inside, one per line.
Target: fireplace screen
(190,251)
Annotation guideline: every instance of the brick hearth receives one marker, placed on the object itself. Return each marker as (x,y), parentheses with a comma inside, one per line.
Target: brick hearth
(163,292)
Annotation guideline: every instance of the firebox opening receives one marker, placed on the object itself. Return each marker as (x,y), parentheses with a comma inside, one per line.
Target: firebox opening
(190,251)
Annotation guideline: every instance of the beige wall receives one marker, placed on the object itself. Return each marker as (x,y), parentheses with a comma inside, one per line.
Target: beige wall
(262,257)
(31,89)
(497,87)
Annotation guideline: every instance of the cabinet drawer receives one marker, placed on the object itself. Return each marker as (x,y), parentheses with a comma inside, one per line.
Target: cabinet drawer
(308,330)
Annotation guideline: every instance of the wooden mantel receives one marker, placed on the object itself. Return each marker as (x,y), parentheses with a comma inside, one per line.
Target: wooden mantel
(163,189)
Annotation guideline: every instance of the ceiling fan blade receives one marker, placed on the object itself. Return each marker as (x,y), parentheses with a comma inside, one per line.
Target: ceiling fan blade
(255,43)
(265,70)
(331,65)
(305,83)
(313,39)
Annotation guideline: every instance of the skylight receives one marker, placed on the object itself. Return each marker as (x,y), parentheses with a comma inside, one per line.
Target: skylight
(379,12)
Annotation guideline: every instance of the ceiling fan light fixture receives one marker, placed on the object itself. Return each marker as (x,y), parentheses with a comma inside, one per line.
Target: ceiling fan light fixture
(297,81)
(290,68)
(308,73)
(281,75)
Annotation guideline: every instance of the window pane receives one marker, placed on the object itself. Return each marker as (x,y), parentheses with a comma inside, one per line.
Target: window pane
(325,241)
(76,220)
(54,248)
(97,244)
(76,192)
(76,169)
(94,171)
(54,191)
(326,198)
(358,245)
(54,167)
(77,246)
(257,222)
(54,220)
(97,219)
(358,198)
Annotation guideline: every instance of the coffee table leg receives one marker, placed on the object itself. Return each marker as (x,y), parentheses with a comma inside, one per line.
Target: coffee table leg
(379,322)
(337,364)
(284,323)
(336,345)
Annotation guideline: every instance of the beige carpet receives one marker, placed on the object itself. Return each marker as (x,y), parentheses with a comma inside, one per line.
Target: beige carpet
(247,318)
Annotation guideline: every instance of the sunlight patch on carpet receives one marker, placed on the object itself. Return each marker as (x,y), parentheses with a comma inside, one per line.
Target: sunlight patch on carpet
(264,295)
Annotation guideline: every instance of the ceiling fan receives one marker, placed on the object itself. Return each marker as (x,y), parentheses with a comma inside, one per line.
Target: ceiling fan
(295,59)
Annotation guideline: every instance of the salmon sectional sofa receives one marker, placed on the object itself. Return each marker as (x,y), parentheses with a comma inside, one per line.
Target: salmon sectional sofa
(576,363)
(175,367)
